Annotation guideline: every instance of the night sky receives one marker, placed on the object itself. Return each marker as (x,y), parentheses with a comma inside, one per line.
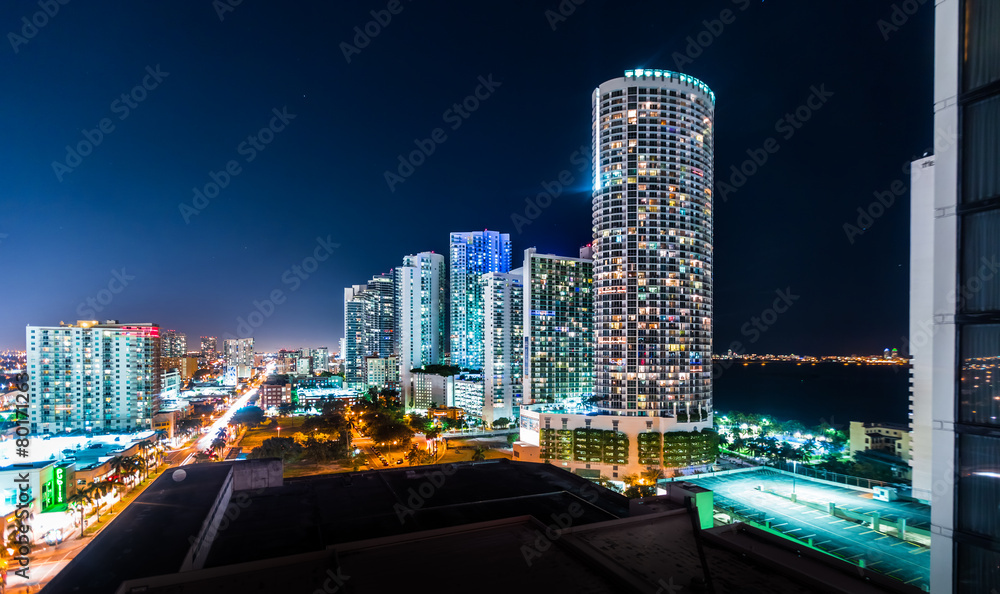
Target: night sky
(69,229)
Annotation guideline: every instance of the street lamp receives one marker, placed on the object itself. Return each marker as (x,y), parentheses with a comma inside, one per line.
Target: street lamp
(279,431)
(794,466)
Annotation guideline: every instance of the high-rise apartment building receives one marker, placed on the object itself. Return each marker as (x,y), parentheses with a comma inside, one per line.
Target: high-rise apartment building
(320,358)
(382,372)
(472,255)
(174,344)
(558,328)
(384,325)
(921,323)
(652,211)
(652,291)
(370,327)
(964,339)
(239,358)
(92,376)
(360,307)
(420,315)
(209,346)
(503,343)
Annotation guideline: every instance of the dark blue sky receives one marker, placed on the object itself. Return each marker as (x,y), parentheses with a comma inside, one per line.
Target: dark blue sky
(322,175)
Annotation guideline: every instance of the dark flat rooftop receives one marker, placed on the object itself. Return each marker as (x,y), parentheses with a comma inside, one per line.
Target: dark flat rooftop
(320,511)
(150,537)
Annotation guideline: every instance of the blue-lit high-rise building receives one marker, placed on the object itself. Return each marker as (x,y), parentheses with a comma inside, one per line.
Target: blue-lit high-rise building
(472,255)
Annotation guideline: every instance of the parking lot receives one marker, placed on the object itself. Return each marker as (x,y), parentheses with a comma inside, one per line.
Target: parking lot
(853,541)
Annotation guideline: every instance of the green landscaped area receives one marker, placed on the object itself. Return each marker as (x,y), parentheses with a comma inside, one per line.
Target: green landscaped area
(269,428)
(462,450)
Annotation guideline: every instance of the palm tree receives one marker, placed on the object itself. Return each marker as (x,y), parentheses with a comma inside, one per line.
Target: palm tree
(118,465)
(479,454)
(130,466)
(810,447)
(96,491)
(145,447)
(218,444)
(80,499)
(630,480)
(652,475)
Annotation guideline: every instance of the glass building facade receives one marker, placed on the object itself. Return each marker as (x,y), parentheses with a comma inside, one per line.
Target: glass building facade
(472,255)
(977,319)
(653,140)
(558,328)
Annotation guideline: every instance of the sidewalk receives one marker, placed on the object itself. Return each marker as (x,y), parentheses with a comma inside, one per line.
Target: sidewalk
(93,529)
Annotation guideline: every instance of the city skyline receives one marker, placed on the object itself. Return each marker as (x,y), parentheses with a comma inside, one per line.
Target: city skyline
(199,268)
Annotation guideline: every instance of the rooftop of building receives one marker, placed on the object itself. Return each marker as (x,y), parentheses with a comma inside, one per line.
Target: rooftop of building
(33,465)
(893,426)
(85,447)
(493,526)
(150,537)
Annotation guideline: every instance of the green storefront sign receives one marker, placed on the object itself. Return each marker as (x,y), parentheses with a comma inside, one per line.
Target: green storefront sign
(60,484)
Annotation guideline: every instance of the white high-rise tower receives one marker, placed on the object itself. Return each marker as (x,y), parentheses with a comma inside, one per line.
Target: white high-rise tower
(420,315)
(652,211)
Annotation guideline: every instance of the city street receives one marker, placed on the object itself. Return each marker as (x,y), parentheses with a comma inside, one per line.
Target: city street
(47,561)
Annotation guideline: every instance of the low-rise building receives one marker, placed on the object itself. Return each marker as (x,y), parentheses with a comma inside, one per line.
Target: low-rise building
(382,372)
(593,445)
(469,393)
(275,391)
(882,444)
(450,412)
(431,389)
(167,421)
(888,438)
(48,483)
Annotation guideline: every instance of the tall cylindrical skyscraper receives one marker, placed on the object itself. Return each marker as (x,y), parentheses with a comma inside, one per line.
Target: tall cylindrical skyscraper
(652,205)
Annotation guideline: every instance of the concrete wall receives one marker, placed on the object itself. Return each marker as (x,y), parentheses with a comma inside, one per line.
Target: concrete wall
(257,474)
